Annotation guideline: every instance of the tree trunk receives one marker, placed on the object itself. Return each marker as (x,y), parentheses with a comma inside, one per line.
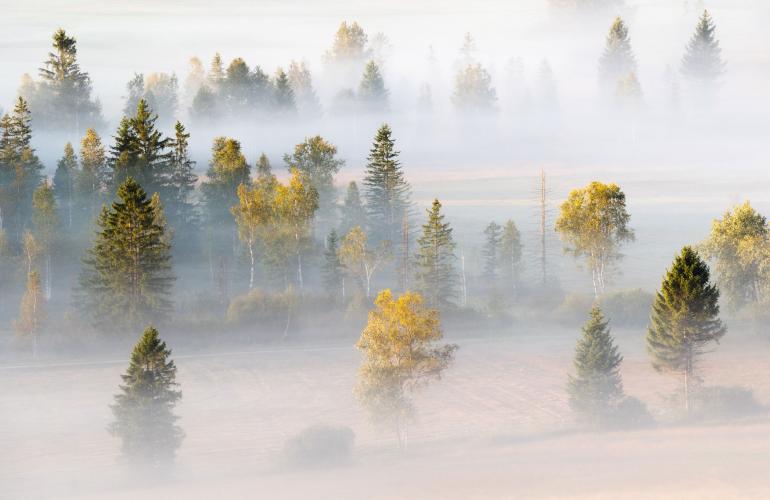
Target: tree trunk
(251,271)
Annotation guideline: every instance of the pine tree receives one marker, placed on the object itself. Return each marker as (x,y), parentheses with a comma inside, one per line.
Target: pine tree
(216,72)
(143,409)
(333,278)
(265,175)
(64,183)
(436,275)
(684,318)
(702,63)
(386,192)
(618,59)
(353,211)
(372,93)
(596,389)
(510,254)
(127,278)
(284,94)
(135,91)
(491,252)
(32,311)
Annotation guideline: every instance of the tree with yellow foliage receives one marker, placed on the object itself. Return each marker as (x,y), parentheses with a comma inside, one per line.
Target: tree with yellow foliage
(400,355)
(593,224)
(31,311)
(360,260)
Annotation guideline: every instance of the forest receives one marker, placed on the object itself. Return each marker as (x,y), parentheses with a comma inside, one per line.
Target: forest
(375,255)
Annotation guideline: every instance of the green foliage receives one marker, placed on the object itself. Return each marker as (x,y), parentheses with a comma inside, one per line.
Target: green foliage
(491,252)
(284,95)
(630,308)
(473,91)
(64,180)
(739,244)
(261,308)
(510,255)
(353,211)
(143,409)
(180,208)
(435,272)
(372,93)
(127,278)
(684,318)
(386,192)
(333,270)
(596,388)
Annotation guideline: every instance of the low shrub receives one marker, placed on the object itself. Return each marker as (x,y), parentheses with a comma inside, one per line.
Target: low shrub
(319,445)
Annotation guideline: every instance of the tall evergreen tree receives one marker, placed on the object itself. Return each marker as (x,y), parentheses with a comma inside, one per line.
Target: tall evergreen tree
(510,254)
(353,211)
(333,270)
(386,191)
(684,318)
(64,183)
(702,63)
(618,59)
(372,93)
(596,389)
(93,177)
(180,206)
(491,252)
(63,99)
(141,152)
(143,409)
(301,82)
(127,278)
(436,275)
(284,98)
(45,222)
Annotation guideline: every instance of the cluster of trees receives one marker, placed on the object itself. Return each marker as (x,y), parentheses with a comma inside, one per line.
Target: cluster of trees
(701,66)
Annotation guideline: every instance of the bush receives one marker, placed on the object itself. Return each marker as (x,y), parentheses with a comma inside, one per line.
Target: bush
(627,307)
(631,412)
(726,402)
(258,306)
(320,445)
(574,308)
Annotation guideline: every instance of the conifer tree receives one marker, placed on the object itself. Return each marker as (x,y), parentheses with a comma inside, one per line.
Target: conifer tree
(618,59)
(64,183)
(127,278)
(684,318)
(265,175)
(596,389)
(143,409)
(32,311)
(702,63)
(510,254)
(372,93)
(63,99)
(436,275)
(284,98)
(45,222)
(353,211)
(333,276)
(491,252)
(180,206)
(386,191)
(216,72)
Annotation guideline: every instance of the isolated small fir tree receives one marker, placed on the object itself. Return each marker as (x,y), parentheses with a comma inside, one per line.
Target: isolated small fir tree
(618,59)
(436,275)
(143,409)
(702,62)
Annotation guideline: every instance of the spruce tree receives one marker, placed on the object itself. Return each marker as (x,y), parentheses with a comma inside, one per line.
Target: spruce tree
(596,389)
(372,93)
(353,211)
(386,192)
(684,318)
(93,177)
(284,99)
(702,63)
(436,276)
(45,222)
(144,407)
(64,183)
(618,59)
(510,254)
(333,278)
(181,209)
(491,252)
(127,278)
